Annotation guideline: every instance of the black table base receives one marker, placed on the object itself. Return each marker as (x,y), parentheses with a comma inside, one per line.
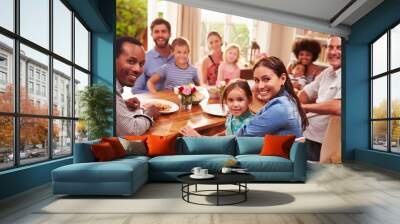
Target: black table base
(241,191)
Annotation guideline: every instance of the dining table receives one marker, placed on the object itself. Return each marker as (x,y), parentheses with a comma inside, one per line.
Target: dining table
(171,123)
(197,118)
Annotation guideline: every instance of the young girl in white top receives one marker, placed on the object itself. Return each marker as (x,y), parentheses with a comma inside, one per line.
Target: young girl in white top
(229,68)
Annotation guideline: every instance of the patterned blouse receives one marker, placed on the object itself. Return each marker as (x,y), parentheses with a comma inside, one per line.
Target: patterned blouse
(233,124)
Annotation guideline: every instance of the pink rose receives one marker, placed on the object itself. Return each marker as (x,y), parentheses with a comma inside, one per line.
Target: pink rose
(186,91)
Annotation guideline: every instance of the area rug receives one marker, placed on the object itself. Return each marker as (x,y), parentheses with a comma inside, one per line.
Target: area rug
(166,198)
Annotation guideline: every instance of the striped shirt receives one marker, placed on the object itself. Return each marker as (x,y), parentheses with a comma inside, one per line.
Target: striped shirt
(174,76)
(129,122)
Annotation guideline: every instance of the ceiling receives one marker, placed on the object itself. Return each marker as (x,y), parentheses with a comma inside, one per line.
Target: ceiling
(329,16)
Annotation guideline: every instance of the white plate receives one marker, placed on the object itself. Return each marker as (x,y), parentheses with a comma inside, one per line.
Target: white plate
(215,109)
(173,106)
(208,176)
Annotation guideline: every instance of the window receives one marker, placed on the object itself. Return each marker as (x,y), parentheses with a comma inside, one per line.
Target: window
(44,91)
(3,78)
(38,89)
(37,75)
(30,72)
(233,29)
(30,87)
(46,130)
(385,96)
(7,14)
(3,72)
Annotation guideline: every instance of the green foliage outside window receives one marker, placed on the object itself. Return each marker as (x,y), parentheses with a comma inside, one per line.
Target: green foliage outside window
(131,18)
(239,35)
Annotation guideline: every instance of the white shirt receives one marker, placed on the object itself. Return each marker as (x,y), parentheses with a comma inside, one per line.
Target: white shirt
(325,87)
(129,122)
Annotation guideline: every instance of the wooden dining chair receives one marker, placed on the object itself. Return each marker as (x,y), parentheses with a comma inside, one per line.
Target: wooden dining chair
(331,149)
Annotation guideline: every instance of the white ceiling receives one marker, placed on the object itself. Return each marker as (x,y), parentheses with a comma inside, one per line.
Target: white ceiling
(318,15)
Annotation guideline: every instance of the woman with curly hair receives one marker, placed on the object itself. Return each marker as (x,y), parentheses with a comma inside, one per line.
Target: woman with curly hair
(306,52)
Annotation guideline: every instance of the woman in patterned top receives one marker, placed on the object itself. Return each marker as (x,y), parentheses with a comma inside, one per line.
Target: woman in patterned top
(237,97)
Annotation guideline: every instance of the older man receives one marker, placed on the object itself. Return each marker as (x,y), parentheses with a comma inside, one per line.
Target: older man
(155,58)
(326,88)
(131,120)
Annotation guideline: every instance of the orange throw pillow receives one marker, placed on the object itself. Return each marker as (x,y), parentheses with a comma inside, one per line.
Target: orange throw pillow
(136,137)
(277,145)
(103,152)
(161,145)
(116,145)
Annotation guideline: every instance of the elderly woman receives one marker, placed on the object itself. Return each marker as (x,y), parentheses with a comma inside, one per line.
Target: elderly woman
(282,113)
(210,64)
(306,52)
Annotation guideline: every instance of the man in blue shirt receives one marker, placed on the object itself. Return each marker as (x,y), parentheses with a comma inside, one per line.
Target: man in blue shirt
(155,58)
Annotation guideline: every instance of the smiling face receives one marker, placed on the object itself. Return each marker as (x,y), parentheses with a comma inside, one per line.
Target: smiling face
(299,70)
(160,35)
(267,83)
(232,55)
(237,101)
(181,55)
(130,64)
(335,52)
(305,57)
(214,43)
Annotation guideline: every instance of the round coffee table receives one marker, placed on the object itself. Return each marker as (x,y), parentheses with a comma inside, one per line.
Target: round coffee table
(238,179)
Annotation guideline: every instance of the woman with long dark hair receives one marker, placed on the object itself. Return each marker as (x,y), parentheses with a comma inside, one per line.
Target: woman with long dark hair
(282,113)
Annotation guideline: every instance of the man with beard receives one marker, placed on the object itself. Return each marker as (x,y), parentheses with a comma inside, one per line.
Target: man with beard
(327,90)
(155,58)
(131,120)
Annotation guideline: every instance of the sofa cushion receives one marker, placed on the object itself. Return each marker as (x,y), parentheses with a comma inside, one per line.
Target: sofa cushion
(206,145)
(134,147)
(136,137)
(185,163)
(277,145)
(103,151)
(111,171)
(116,145)
(257,163)
(161,145)
(249,145)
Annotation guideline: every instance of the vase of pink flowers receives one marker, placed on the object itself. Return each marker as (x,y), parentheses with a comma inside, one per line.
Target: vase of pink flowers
(185,93)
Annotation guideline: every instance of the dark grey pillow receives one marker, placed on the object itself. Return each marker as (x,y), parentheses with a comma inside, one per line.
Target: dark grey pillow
(134,147)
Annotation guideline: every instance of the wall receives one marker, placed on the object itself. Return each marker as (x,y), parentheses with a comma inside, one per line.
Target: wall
(356,83)
(100,17)
(282,38)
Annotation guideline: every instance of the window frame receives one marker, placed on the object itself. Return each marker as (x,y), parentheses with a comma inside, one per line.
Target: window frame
(388,74)
(16,115)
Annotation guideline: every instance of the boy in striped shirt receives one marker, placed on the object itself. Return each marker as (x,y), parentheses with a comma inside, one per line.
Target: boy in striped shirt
(178,73)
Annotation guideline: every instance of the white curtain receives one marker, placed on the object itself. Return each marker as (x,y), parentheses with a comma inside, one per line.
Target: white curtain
(189,27)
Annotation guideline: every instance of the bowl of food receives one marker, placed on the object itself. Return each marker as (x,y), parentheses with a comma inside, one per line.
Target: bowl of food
(197,97)
(214,92)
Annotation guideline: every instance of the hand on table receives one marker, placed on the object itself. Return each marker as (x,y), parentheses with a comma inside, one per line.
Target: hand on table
(153,112)
(189,131)
(132,104)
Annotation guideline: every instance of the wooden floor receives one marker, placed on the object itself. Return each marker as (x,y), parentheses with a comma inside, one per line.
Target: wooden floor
(378,188)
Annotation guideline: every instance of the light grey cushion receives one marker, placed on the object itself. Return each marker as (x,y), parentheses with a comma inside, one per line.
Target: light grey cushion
(134,147)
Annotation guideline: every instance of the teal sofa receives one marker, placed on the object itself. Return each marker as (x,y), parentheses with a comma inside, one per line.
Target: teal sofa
(125,176)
